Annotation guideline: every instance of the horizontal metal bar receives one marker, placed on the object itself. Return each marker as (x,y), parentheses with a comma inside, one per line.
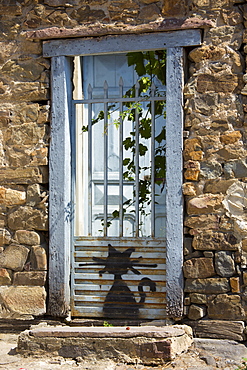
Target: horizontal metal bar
(115,241)
(119,100)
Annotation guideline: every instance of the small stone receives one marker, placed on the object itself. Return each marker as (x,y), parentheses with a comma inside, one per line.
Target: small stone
(5,237)
(235,285)
(245,278)
(11,196)
(201,222)
(224,264)
(27,237)
(187,245)
(30,278)
(244,245)
(210,170)
(187,301)
(225,83)
(23,175)
(231,137)
(198,298)
(196,312)
(193,150)
(149,12)
(217,186)
(14,257)
(5,278)
(205,203)
(191,175)
(38,258)
(199,268)
(189,189)
(208,254)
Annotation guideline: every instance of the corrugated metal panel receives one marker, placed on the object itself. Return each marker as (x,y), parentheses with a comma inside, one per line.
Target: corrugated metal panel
(119,278)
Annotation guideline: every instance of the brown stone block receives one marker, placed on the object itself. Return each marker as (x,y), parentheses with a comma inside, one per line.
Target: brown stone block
(24,91)
(192,175)
(218,83)
(28,218)
(28,134)
(199,268)
(189,189)
(5,237)
(226,307)
(26,70)
(4,118)
(11,196)
(14,257)
(39,157)
(193,150)
(24,300)
(197,312)
(244,245)
(173,8)
(198,298)
(200,222)
(207,286)
(207,52)
(230,137)
(10,10)
(245,278)
(205,203)
(26,175)
(27,237)
(38,258)
(219,329)
(33,278)
(149,12)
(215,241)
(217,186)
(5,278)
(235,285)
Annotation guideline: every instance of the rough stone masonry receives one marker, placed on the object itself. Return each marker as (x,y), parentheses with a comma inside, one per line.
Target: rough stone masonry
(215,148)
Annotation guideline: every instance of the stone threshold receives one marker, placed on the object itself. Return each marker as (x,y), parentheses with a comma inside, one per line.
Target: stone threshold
(148,345)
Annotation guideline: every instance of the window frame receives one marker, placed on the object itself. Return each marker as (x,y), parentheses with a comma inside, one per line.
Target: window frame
(61,150)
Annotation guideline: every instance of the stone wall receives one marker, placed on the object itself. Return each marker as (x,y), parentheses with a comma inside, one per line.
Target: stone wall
(215,148)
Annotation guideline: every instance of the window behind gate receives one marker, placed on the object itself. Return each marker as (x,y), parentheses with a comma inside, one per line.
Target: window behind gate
(116,175)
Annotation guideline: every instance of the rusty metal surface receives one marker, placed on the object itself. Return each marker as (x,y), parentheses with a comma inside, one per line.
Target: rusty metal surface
(119,278)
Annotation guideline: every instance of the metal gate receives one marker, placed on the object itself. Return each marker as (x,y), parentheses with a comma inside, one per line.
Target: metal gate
(118,260)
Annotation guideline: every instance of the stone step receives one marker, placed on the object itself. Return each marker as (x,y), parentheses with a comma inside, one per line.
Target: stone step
(148,345)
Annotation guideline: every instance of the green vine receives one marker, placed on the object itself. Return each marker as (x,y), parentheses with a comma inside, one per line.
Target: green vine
(150,68)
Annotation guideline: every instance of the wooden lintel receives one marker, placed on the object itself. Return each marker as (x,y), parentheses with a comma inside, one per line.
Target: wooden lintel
(99,29)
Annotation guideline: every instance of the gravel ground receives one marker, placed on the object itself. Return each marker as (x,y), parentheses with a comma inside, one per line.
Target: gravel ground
(224,355)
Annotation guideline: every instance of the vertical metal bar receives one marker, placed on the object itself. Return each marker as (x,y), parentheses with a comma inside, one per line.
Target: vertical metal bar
(90,147)
(153,160)
(121,214)
(105,158)
(137,87)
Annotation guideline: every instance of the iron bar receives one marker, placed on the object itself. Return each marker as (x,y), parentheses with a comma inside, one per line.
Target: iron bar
(105,157)
(122,100)
(137,87)
(90,205)
(153,161)
(121,213)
